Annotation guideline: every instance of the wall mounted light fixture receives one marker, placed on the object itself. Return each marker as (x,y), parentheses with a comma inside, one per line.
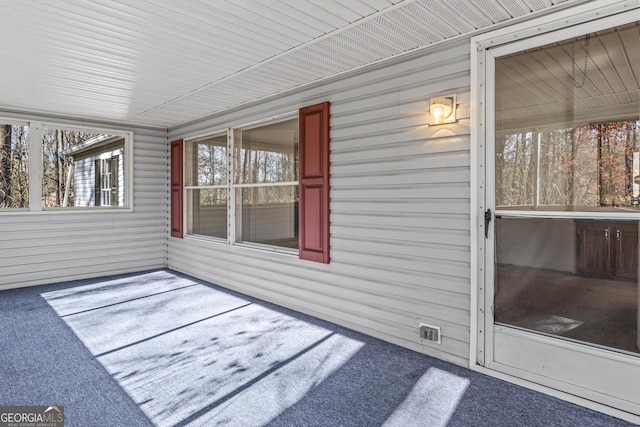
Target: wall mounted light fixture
(442,110)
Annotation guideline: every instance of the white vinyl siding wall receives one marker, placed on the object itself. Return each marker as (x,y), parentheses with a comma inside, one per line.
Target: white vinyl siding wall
(84,174)
(400,208)
(56,245)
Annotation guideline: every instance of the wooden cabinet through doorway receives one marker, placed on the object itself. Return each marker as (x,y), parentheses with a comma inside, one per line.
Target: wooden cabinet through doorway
(607,249)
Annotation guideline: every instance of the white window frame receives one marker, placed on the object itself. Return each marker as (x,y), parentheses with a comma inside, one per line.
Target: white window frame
(234,215)
(128,167)
(237,218)
(188,169)
(36,168)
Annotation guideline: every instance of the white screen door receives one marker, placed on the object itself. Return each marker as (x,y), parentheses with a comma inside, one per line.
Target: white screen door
(563,186)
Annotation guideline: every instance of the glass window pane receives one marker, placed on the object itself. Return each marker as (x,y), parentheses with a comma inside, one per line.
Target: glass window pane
(574,279)
(268,215)
(567,139)
(559,159)
(267,154)
(207,212)
(206,167)
(82,169)
(515,170)
(567,128)
(207,161)
(14,166)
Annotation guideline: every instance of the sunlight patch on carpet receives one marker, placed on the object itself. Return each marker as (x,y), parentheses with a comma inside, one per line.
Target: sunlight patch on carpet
(432,401)
(189,354)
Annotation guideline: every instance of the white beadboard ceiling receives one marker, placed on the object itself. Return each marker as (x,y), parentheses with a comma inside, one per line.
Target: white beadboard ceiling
(167,62)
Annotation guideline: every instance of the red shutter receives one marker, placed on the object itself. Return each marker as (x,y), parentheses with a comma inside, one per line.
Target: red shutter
(314,183)
(176,188)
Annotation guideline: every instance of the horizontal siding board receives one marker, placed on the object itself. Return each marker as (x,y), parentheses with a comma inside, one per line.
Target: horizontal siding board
(69,260)
(88,235)
(150,173)
(150,155)
(20,250)
(435,175)
(443,206)
(400,209)
(370,151)
(402,163)
(399,137)
(424,265)
(58,223)
(400,279)
(350,223)
(402,192)
(402,249)
(53,275)
(424,234)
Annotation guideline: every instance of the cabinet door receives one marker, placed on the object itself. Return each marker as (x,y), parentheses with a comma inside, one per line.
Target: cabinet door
(594,249)
(626,248)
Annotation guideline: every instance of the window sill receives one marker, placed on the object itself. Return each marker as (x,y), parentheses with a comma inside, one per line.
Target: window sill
(267,248)
(58,211)
(205,238)
(244,245)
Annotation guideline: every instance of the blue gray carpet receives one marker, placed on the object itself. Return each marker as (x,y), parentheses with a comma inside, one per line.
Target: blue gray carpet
(160,348)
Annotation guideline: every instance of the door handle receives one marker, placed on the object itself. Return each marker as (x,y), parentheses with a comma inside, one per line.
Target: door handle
(487,219)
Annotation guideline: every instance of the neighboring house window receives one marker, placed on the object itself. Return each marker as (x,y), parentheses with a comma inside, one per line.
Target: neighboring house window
(14,166)
(106,189)
(246,189)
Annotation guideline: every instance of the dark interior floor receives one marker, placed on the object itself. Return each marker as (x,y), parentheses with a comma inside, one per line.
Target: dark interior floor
(597,311)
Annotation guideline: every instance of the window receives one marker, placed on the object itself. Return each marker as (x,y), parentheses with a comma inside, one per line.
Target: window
(76,168)
(206,185)
(267,186)
(264,185)
(14,166)
(83,168)
(107,189)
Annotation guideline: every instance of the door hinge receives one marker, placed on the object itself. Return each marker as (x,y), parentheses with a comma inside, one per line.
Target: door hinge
(487,219)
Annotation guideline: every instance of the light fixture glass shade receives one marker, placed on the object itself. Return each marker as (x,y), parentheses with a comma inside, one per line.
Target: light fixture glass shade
(442,110)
